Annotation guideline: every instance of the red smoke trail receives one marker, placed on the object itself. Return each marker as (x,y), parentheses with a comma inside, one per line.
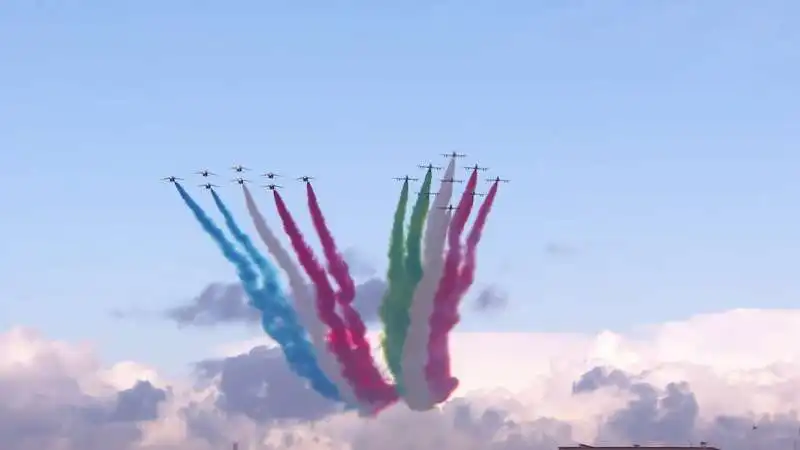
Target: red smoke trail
(467,275)
(339,339)
(437,367)
(381,393)
(465,279)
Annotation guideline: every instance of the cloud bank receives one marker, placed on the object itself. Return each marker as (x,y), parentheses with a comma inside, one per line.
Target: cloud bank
(730,379)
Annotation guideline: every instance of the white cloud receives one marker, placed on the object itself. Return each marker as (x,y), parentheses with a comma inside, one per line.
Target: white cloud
(516,392)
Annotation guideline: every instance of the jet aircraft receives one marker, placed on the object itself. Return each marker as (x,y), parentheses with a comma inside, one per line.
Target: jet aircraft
(240,180)
(271,175)
(208,186)
(449,208)
(476,167)
(451,180)
(205,173)
(406,178)
(272,187)
(429,166)
(172,179)
(497,180)
(239,168)
(454,155)
(305,179)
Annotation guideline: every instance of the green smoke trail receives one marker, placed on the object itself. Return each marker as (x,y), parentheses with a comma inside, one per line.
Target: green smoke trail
(413,275)
(414,240)
(395,318)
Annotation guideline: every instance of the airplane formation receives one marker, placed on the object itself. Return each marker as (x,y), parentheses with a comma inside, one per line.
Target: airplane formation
(239,169)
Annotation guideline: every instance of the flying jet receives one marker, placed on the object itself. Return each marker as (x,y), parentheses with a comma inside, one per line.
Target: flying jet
(270,175)
(497,180)
(172,179)
(454,155)
(205,173)
(406,178)
(272,187)
(451,180)
(476,167)
(473,193)
(449,208)
(240,180)
(305,179)
(208,186)
(239,168)
(427,193)
(429,166)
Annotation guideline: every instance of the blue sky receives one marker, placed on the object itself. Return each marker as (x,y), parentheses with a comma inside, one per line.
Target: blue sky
(657,140)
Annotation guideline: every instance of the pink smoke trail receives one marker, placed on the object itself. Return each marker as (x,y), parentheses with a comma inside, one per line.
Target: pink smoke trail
(339,341)
(436,369)
(464,281)
(382,394)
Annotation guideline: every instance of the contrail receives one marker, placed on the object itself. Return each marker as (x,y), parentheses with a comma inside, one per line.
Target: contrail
(415,349)
(382,394)
(465,279)
(296,349)
(339,340)
(394,317)
(303,301)
(439,386)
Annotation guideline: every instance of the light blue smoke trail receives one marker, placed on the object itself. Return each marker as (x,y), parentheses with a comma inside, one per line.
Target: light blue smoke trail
(268,273)
(278,318)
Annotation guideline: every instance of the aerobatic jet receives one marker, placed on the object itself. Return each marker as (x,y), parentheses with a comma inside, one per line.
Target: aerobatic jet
(270,175)
(454,155)
(208,186)
(497,180)
(172,179)
(429,166)
(451,180)
(305,179)
(239,168)
(205,173)
(449,208)
(406,178)
(473,193)
(427,193)
(272,187)
(476,167)
(240,180)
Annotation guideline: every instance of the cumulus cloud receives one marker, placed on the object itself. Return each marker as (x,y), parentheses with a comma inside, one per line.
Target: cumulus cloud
(55,396)
(221,303)
(674,383)
(260,386)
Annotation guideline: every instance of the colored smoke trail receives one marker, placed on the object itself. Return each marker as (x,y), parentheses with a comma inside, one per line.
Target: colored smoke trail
(467,274)
(415,349)
(249,280)
(465,279)
(267,272)
(303,300)
(338,338)
(381,393)
(392,313)
(278,319)
(413,261)
(440,384)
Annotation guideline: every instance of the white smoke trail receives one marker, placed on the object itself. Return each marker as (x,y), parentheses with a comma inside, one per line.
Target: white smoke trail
(415,350)
(303,302)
